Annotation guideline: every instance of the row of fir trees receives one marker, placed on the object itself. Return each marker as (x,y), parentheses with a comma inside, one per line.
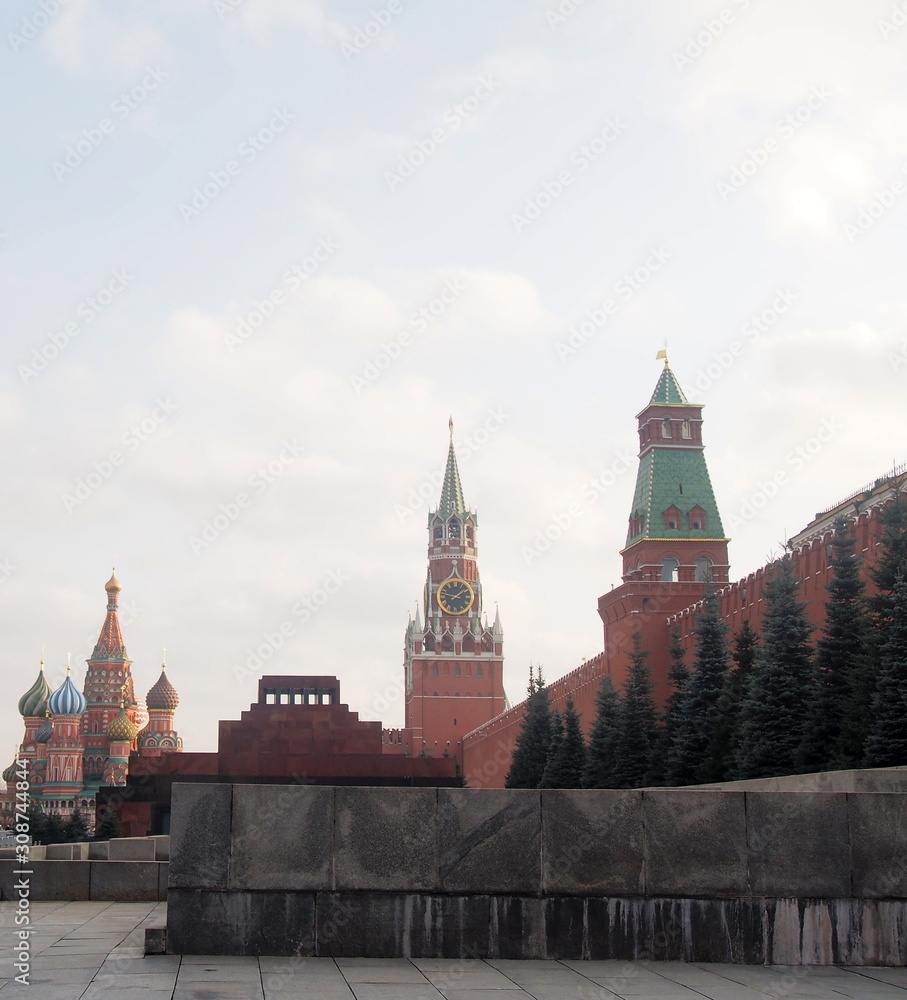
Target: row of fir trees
(753,705)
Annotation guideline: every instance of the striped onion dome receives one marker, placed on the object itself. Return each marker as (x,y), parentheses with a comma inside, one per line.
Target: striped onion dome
(10,773)
(67,699)
(34,702)
(163,696)
(44,733)
(121,729)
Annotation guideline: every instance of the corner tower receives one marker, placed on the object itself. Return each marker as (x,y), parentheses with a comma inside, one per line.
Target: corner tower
(675,532)
(453,662)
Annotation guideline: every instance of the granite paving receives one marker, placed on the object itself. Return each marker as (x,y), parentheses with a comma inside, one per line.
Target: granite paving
(94,951)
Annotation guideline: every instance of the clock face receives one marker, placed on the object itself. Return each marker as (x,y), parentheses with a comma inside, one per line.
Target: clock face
(455,597)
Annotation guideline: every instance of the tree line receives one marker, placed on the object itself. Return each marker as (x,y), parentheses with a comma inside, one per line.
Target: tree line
(751,705)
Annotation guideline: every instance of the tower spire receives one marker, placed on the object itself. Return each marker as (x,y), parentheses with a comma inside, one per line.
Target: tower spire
(451,501)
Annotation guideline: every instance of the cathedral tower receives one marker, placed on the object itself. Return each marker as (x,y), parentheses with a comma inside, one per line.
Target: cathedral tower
(454,661)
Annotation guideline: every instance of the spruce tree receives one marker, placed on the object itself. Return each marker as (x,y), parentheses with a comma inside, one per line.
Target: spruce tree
(76,828)
(774,709)
(891,560)
(743,653)
(569,761)
(836,724)
(693,757)
(599,771)
(554,749)
(37,821)
(108,825)
(54,829)
(887,742)
(531,751)
(638,722)
(678,677)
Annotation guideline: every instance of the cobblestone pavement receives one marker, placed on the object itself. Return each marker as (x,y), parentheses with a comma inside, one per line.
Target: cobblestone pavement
(93,951)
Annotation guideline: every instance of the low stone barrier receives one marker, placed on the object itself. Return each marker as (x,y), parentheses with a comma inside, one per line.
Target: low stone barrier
(120,881)
(693,875)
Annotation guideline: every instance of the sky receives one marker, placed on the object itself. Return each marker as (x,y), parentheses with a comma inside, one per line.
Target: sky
(254,254)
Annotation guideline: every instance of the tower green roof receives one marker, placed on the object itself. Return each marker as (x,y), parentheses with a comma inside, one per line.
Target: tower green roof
(675,477)
(451,501)
(668,391)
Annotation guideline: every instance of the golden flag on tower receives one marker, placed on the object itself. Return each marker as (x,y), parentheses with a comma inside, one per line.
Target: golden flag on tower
(660,355)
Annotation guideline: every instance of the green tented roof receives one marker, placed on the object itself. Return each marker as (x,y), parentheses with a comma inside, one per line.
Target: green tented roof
(451,501)
(668,391)
(662,473)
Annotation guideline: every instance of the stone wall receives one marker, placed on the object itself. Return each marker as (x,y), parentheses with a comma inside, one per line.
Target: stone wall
(702,875)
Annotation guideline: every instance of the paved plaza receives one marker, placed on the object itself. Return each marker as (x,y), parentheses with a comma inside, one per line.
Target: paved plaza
(93,951)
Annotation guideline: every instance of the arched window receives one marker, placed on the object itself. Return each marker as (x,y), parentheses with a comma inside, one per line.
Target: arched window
(469,536)
(479,671)
(686,430)
(453,529)
(478,694)
(457,671)
(672,518)
(438,531)
(434,670)
(447,643)
(703,569)
(430,643)
(435,695)
(457,695)
(669,568)
(666,428)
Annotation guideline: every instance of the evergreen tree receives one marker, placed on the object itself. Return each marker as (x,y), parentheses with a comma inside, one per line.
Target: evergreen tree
(599,770)
(554,749)
(891,561)
(887,742)
(108,825)
(693,756)
(743,653)
(678,677)
(774,709)
(836,724)
(566,766)
(638,722)
(37,821)
(76,829)
(54,829)
(531,751)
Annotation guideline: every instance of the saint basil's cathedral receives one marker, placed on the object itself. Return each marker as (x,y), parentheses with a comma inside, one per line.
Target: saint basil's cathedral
(77,742)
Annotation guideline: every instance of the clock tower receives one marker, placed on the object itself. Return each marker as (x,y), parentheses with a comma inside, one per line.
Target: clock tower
(454,661)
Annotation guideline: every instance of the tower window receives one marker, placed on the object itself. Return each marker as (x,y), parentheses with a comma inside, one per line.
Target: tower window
(435,695)
(703,569)
(438,531)
(453,528)
(456,671)
(669,569)
(686,430)
(666,428)
(455,720)
(697,518)
(478,671)
(434,670)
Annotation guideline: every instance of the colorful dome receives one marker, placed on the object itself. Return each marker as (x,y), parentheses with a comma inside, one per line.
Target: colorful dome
(122,729)
(10,773)
(34,701)
(67,699)
(163,696)
(44,733)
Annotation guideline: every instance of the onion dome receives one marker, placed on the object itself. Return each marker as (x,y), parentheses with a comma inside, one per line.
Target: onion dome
(163,696)
(113,584)
(122,729)
(10,773)
(67,699)
(34,702)
(44,733)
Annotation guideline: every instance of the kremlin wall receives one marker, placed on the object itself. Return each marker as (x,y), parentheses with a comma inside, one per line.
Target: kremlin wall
(101,745)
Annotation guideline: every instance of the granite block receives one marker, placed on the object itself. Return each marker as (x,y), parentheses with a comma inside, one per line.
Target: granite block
(163,880)
(695,843)
(124,881)
(592,842)
(200,835)
(155,940)
(99,850)
(878,844)
(49,880)
(565,927)
(131,849)
(282,837)
(364,924)
(202,922)
(161,846)
(489,840)
(385,839)
(517,928)
(60,852)
(798,844)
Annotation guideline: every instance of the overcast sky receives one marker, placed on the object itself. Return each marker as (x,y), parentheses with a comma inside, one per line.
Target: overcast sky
(255,253)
